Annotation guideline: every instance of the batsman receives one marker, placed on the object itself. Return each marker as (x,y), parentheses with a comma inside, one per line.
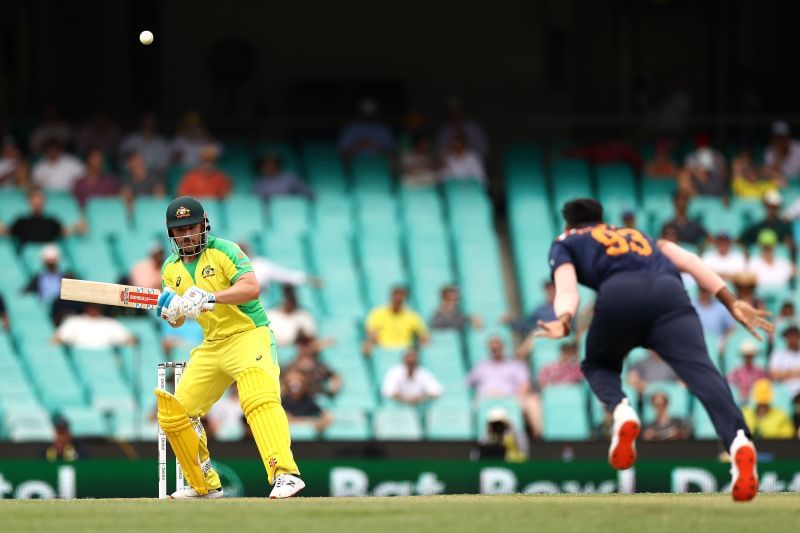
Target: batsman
(237,346)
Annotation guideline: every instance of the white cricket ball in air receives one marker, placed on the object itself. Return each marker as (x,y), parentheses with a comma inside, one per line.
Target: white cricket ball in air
(146,37)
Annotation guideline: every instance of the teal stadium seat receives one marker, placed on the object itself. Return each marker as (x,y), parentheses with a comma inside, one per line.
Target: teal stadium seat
(107,216)
(564,411)
(616,184)
(63,207)
(397,423)
(448,423)
(149,215)
(245,216)
(15,274)
(509,405)
(702,428)
(348,424)
(570,179)
(85,422)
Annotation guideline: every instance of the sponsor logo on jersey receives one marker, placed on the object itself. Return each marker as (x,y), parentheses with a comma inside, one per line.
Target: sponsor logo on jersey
(182,212)
(178,282)
(258,357)
(208,271)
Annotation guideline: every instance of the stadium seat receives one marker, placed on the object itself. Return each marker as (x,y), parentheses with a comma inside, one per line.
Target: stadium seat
(149,214)
(245,216)
(448,423)
(85,422)
(570,179)
(348,424)
(702,428)
(511,407)
(397,423)
(564,412)
(303,432)
(14,272)
(63,207)
(107,216)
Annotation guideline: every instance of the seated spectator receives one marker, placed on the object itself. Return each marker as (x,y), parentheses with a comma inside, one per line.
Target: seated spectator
(545,312)
(147,272)
(3,314)
(687,230)
(653,369)
(57,171)
(63,447)
(459,123)
(409,383)
(498,377)
(629,219)
(565,371)
(268,272)
(205,180)
(417,164)
(139,181)
(14,169)
(662,165)
(784,363)
(98,132)
(47,284)
(764,420)
(501,432)
(288,321)
(771,272)
(744,376)
(783,152)
(723,258)
(92,330)
(786,316)
(366,134)
(715,317)
(96,181)
(151,147)
(704,171)
(299,404)
(745,286)
(320,378)
(460,163)
(273,180)
(225,418)
(750,182)
(449,314)
(37,226)
(394,326)
(51,127)
(664,427)
(773,221)
(192,142)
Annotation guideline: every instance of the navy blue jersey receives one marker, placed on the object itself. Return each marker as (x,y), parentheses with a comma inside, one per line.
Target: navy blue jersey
(599,251)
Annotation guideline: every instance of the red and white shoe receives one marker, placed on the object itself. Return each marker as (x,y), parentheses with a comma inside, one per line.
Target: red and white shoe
(744,475)
(622,452)
(286,486)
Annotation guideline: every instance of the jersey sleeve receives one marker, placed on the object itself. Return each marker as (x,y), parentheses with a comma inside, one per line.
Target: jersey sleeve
(559,255)
(237,264)
(167,280)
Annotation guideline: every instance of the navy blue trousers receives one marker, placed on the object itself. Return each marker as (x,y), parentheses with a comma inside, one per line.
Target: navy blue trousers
(652,310)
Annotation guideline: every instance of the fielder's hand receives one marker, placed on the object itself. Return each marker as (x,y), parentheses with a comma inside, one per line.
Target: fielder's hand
(169,306)
(555,329)
(751,318)
(194,301)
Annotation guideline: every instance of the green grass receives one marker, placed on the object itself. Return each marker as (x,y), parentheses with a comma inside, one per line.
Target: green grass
(688,513)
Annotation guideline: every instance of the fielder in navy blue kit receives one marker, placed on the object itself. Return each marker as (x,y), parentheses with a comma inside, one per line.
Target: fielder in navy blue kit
(641,301)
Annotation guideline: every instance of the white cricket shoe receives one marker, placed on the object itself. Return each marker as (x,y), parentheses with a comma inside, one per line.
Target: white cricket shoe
(188,493)
(744,475)
(286,486)
(622,452)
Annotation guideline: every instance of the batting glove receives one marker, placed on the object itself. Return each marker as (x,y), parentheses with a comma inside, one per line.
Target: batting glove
(194,300)
(169,306)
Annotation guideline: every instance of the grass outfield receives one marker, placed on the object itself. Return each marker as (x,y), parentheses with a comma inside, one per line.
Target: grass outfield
(488,514)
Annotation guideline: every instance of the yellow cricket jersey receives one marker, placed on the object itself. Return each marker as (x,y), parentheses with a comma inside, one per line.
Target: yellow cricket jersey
(216,268)
(395,330)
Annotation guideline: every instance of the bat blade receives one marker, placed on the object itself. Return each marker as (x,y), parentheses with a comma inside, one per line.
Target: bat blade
(97,292)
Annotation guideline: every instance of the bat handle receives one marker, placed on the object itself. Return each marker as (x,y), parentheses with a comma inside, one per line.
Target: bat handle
(208,306)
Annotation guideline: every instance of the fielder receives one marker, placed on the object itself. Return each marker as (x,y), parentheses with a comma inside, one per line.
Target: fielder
(238,346)
(641,302)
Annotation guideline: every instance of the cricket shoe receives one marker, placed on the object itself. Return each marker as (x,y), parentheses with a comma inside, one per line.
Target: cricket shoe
(286,486)
(744,476)
(188,493)
(622,452)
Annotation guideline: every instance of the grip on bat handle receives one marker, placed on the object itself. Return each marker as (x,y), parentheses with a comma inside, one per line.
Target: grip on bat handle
(208,306)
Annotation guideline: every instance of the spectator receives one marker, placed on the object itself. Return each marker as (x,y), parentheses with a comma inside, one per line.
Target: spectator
(151,147)
(275,181)
(14,169)
(653,369)
(46,284)
(366,134)
(750,182)
(664,426)
(629,219)
(745,285)
(100,133)
(410,384)
(662,165)
(417,164)
(771,272)
(205,180)
(192,142)
(498,377)
(784,363)
(96,181)
(773,221)
(225,418)
(783,152)
(51,128)
(449,314)
(288,321)
(501,432)
(91,330)
(565,371)
(764,420)
(63,448)
(744,376)
(300,407)
(139,181)
(268,272)
(786,316)
(147,272)
(320,378)
(462,125)
(394,326)
(544,312)
(687,230)
(714,317)
(459,163)
(37,226)
(704,172)
(723,258)
(57,171)
(4,314)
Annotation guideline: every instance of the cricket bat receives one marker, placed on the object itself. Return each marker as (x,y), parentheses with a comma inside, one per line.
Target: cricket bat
(97,292)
